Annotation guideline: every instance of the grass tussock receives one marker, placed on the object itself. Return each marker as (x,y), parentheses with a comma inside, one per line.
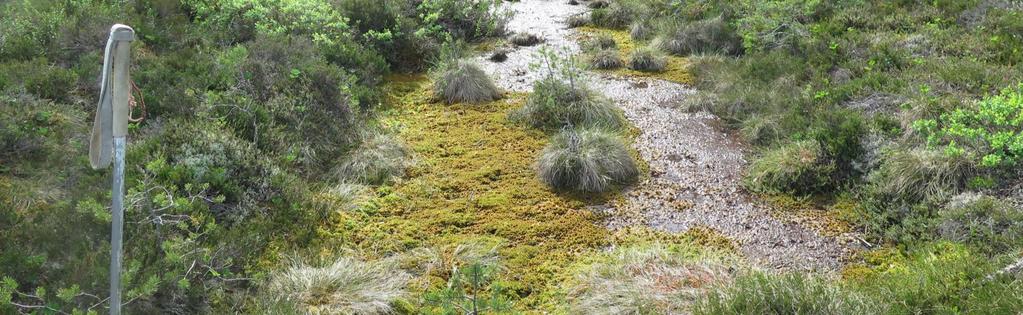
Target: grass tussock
(605,59)
(757,292)
(588,160)
(921,174)
(577,20)
(646,279)
(641,31)
(796,168)
(647,60)
(378,159)
(346,286)
(600,42)
(463,81)
(711,36)
(555,104)
(525,39)
(616,16)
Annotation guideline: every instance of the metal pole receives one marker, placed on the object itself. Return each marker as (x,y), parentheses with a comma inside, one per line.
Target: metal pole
(117,226)
(109,135)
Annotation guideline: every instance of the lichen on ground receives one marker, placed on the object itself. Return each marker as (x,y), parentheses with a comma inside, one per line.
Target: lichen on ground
(676,70)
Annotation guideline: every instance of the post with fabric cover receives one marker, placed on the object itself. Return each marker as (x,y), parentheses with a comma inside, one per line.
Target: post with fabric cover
(108,141)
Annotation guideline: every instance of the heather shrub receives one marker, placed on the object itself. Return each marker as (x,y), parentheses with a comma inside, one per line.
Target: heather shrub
(586,160)
(51,82)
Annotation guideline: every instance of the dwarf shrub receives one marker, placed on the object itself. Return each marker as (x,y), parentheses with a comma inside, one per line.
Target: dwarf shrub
(989,134)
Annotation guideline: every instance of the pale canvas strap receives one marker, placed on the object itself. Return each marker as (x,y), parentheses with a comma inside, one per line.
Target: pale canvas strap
(112,112)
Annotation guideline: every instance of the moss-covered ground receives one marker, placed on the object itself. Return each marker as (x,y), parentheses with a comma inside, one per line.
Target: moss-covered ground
(676,70)
(474,181)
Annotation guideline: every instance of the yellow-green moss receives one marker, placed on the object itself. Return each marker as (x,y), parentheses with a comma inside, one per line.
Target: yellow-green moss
(701,236)
(473,178)
(677,69)
(830,222)
(872,262)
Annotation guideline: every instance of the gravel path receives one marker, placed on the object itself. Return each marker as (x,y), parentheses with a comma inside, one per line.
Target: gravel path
(696,168)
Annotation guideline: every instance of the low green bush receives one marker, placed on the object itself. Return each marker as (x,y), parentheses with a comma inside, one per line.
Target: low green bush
(989,134)
(391,28)
(467,20)
(463,81)
(711,36)
(648,60)
(587,160)
(757,292)
(801,167)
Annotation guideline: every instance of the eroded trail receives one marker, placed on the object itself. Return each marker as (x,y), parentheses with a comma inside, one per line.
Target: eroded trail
(696,168)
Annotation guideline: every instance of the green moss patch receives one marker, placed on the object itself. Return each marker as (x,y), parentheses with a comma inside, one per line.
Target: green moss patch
(677,69)
(474,178)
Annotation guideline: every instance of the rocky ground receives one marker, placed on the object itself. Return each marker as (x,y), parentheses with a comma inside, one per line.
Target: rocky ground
(695,167)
